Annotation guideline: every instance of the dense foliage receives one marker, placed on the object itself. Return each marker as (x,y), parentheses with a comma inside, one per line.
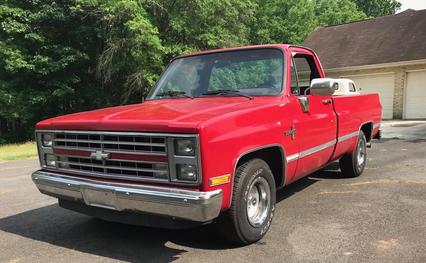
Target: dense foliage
(378,7)
(61,56)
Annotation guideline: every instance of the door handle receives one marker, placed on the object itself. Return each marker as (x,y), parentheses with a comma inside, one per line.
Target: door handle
(326,102)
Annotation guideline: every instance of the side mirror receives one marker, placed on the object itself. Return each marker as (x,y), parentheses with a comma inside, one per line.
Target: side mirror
(323,87)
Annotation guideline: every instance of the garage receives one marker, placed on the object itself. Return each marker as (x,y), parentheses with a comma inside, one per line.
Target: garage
(378,83)
(415,99)
(370,52)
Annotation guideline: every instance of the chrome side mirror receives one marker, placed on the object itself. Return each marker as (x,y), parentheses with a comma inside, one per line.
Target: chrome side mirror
(304,102)
(323,87)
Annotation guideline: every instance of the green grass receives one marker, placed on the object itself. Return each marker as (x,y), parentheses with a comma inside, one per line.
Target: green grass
(18,151)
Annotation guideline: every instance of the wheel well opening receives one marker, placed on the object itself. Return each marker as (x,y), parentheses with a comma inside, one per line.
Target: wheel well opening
(367,128)
(273,156)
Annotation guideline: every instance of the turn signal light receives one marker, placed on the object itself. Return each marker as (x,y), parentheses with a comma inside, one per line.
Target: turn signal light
(223,179)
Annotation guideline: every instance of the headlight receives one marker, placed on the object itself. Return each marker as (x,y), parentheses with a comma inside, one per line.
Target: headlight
(47,139)
(185,147)
(184,164)
(186,172)
(50,160)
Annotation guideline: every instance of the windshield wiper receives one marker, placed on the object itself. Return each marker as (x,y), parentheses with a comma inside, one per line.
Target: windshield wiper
(174,93)
(226,91)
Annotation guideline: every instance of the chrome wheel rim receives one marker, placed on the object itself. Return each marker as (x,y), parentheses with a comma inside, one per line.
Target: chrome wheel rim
(361,153)
(258,201)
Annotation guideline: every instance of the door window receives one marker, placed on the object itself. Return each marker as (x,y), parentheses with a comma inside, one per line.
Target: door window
(306,71)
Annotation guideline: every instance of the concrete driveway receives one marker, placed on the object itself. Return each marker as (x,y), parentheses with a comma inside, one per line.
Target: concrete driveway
(379,217)
(407,130)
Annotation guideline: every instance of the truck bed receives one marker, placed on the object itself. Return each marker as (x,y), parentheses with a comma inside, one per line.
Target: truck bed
(354,111)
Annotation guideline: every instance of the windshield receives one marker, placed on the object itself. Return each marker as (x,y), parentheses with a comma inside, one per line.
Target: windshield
(256,72)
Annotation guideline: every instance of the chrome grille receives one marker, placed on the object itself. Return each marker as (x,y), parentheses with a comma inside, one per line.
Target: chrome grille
(111,142)
(120,168)
(127,146)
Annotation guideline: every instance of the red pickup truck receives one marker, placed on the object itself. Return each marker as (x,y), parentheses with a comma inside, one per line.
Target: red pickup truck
(219,133)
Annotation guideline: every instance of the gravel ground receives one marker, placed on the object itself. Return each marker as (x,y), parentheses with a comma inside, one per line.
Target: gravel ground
(378,217)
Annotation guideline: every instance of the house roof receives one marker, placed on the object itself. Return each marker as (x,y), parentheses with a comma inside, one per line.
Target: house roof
(387,39)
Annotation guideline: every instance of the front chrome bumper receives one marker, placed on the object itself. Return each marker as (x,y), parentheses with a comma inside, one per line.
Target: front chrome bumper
(184,204)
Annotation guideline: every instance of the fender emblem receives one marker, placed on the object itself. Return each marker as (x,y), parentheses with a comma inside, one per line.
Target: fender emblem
(99,155)
(291,132)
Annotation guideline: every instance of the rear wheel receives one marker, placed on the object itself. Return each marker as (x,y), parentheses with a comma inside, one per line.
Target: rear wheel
(253,203)
(353,164)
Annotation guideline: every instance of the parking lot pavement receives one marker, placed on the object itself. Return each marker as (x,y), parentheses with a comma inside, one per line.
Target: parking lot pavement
(378,217)
(407,130)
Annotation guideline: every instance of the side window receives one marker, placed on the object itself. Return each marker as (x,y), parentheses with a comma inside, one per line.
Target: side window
(352,87)
(306,70)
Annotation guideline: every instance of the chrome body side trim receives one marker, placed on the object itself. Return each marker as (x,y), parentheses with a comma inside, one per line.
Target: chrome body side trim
(310,151)
(348,136)
(292,157)
(166,201)
(321,147)
(317,149)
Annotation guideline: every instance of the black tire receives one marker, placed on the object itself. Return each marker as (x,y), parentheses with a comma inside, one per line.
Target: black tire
(241,224)
(353,164)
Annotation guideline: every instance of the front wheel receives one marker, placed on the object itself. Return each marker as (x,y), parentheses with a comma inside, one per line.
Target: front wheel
(353,164)
(253,203)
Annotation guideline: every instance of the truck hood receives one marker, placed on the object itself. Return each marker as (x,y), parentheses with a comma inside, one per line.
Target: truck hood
(168,115)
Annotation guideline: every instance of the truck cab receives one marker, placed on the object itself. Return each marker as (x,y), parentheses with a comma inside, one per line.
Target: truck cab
(218,134)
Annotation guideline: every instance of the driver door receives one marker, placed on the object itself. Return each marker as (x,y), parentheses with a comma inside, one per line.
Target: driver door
(316,128)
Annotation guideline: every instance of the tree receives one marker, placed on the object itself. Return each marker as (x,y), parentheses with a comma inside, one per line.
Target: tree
(283,21)
(202,24)
(333,12)
(131,58)
(46,53)
(375,8)
(142,36)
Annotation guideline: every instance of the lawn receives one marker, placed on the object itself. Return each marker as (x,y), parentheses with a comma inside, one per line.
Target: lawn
(18,151)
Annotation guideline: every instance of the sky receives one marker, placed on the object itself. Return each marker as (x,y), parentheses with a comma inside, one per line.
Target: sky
(413,4)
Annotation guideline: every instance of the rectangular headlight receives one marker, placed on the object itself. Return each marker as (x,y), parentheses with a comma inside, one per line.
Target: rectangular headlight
(186,172)
(50,160)
(184,159)
(185,147)
(47,139)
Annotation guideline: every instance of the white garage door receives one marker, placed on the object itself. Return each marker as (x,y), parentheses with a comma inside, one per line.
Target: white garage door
(415,100)
(380,83)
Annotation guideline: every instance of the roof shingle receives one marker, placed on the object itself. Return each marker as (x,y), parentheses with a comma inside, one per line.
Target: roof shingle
(395,38)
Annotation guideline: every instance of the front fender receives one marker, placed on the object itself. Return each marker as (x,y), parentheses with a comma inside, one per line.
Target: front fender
(224,141)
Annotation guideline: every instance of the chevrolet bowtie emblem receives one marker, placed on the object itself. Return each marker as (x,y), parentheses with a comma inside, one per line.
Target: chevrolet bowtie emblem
(99,155)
